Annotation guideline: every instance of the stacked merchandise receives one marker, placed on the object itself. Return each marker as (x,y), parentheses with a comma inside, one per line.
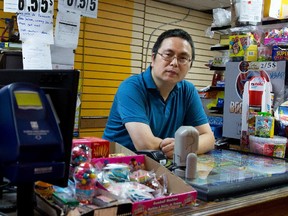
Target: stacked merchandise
(258,121)
(255,107)
(121,181)
(256,75)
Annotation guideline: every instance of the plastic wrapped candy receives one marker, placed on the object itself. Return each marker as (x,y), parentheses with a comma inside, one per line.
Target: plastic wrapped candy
(79,154)
(85,182)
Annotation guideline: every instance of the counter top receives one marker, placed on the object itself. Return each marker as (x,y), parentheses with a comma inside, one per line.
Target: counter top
(272,202)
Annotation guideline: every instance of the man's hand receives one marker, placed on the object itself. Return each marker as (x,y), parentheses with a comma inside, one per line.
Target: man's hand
(167,147)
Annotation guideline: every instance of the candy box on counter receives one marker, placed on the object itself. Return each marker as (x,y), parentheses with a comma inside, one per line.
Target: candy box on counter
(274,147)
(182,194)
(99,147)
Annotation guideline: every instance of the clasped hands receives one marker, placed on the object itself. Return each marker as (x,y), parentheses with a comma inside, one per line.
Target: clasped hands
(167,147)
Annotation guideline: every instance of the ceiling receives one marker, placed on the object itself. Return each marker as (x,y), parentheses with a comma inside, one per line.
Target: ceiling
(201,5)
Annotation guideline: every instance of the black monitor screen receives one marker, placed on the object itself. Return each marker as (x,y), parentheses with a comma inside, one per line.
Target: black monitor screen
(62,88)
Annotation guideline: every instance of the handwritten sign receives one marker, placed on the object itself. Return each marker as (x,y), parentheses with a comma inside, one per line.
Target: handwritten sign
(36,25)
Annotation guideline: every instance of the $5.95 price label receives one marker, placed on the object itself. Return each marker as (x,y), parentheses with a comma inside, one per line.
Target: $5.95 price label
(39,6)
(86,7)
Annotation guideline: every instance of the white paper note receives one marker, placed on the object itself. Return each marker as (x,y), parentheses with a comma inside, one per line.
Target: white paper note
(67,29)
(36,26)
(36,55)
(10,6)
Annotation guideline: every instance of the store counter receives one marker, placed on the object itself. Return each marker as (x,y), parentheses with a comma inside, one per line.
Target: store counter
(271,202)
(245,184)
(265,181)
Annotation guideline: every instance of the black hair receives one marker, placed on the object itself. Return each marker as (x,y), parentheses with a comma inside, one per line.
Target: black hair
(174,33)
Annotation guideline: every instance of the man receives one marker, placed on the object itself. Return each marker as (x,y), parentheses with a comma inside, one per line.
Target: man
(149,107)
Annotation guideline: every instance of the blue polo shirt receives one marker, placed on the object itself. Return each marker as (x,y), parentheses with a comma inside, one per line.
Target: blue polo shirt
(138,100)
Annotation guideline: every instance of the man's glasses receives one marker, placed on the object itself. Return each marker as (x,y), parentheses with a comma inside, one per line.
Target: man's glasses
(169,57)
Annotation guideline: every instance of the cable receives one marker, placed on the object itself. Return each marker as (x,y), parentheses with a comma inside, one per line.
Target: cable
(157,29)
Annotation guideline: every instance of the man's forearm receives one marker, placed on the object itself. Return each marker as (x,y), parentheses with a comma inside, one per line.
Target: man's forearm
(206,143)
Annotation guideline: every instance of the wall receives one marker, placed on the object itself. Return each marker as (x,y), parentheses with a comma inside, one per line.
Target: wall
(114,46)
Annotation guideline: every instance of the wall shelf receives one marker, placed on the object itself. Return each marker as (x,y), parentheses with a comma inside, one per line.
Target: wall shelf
(217,68)
(265,24)
(219,48)
(216,88)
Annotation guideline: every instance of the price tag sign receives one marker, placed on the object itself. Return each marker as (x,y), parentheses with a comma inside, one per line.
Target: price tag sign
(87,8)
(36,6)
(270,65)
(266,66)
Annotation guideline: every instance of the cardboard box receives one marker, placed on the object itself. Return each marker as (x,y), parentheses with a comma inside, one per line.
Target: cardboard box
(275,9)
(279,53)
(99,146)
(238,45)
(55,208)
(272,9)
(184,195)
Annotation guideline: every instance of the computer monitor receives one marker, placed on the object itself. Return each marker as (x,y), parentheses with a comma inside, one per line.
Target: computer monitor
(61,86)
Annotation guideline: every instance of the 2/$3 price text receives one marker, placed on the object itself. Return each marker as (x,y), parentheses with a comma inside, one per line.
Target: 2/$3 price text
(43,6)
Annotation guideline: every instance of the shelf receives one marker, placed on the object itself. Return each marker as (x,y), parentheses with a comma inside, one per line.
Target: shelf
(216,110)
(274,21)
(219,48)
(223,29)
(265,24)
(214,114)
(210,92)
(217,68)
(216,88)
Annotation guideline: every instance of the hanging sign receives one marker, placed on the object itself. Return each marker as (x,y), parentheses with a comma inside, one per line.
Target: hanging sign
(87,8)
(36,6)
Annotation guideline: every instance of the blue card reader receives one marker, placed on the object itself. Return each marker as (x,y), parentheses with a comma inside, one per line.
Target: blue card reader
(31,143)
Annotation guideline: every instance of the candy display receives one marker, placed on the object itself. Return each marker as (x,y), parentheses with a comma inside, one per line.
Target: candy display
(126,177)
(275,146)
(85,179)
(264,125)
(116,172)
(80,153)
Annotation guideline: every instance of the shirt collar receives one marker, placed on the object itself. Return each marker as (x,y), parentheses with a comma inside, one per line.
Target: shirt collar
(148,80)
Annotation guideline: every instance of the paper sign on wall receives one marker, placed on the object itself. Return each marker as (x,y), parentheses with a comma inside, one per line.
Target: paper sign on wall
(87,8)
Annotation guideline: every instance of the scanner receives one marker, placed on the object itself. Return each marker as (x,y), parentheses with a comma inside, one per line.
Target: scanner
(31,144)
(185,158)
(31,141)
